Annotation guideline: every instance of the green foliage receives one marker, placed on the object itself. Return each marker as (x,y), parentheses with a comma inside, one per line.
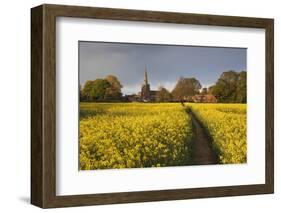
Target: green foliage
(102,89)
(87,93)
(114,91)
(186,87)
(81,98)
(231,87)
(98,89)
(241,96)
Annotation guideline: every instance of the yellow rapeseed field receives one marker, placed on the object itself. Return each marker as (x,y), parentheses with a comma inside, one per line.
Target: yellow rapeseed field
(133,135)
(227,126)
(136,135)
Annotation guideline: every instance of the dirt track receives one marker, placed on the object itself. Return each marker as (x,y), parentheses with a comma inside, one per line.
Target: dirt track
(203,154)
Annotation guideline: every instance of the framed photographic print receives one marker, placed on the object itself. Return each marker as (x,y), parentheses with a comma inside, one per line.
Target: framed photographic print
(135,106)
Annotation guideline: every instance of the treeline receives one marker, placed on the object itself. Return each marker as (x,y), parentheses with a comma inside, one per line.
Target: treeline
(108,89)
(231,87)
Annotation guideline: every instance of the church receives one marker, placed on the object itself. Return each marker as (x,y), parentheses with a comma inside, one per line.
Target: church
(147,95)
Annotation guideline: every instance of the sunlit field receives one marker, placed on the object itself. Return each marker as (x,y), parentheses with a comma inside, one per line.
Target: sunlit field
(137,135)
(133,135)
(227,127)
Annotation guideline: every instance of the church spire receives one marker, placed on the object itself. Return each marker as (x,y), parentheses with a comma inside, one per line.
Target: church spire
(145,77)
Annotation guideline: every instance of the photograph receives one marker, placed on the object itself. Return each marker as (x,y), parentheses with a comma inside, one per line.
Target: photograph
(140,105)
(161,105)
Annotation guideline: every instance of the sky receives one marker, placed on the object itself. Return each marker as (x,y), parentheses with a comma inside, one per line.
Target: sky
(165,64)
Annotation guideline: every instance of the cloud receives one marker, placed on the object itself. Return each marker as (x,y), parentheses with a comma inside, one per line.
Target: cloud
(165,63)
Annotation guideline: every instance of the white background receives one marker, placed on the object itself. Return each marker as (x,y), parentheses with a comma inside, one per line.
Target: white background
(15,106)
(71,181)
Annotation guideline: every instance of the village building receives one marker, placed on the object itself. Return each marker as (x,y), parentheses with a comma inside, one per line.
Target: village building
(148,95)
(208,98)
(132,98)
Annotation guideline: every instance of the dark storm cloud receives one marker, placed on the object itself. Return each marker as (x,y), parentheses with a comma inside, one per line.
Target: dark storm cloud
(165,64)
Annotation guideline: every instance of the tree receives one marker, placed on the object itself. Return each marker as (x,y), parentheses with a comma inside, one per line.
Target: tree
(230,87)
(241,90)
(186,87)
(114,91)
(95,90)
(163,95)
(102,89)
(99,89)
(81,98)
(87,90)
